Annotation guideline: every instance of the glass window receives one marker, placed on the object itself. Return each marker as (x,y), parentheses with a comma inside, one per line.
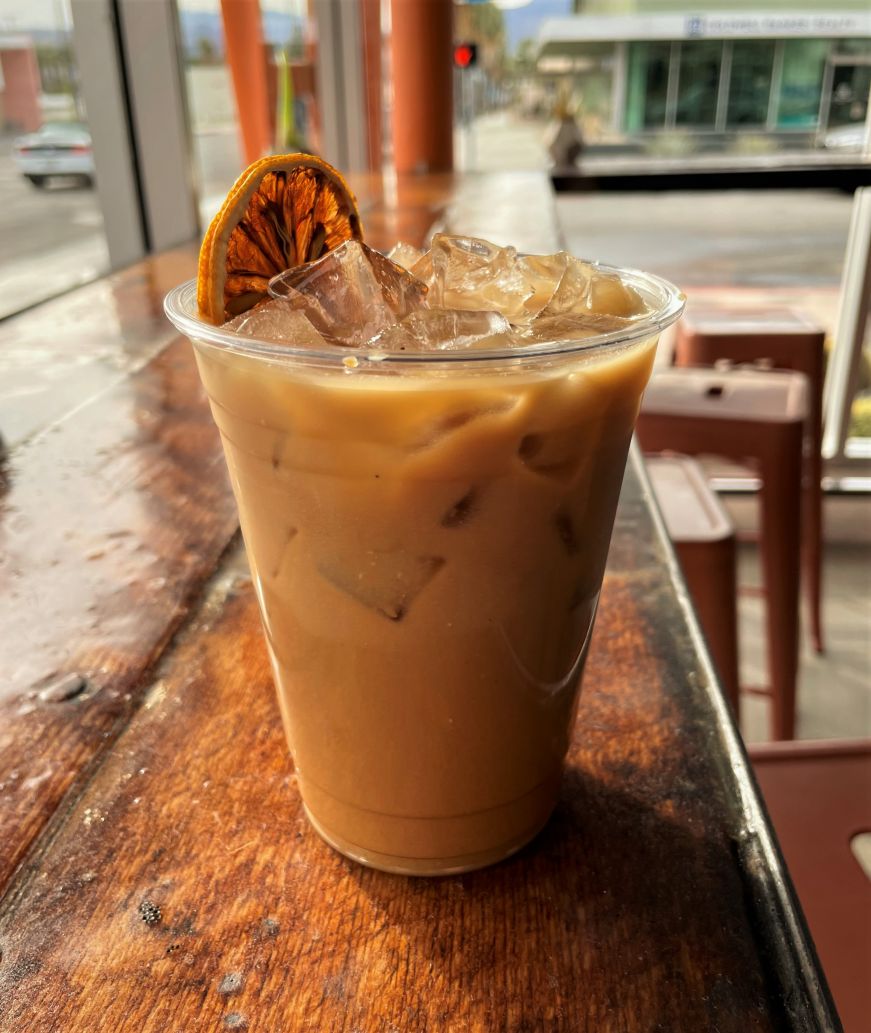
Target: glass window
(211,104)
(593,87)
(215,121)
(647,88)
(750,82)
(800,85)
(858,47)
(699,82)
(51,224)
(849,101)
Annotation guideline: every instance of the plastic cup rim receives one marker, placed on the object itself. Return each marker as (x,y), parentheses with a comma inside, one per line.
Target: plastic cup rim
(181,310)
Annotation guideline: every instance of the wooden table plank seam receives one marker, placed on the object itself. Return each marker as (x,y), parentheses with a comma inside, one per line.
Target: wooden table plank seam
(200,602)
(113,570)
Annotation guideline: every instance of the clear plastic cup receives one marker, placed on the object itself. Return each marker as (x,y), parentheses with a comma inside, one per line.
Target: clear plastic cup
(427,535)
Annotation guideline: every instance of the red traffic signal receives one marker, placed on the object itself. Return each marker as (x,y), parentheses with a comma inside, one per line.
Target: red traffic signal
(465,55)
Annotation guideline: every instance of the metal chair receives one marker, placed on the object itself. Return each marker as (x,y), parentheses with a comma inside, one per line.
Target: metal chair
(759,418)
(704,540)
(819,797)
(781,339)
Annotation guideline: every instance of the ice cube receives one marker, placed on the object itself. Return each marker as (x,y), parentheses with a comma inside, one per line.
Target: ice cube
(462,511)
(572,292)
(543,274)
(359,290)
(555,453)
(440,329)
(405,255)
(402,292)
(565,529)
(422,269)
(610,295)
(469,273)
(386,582)
(278,320)
(436,430)
(568,327)
(278,566)
(309,305)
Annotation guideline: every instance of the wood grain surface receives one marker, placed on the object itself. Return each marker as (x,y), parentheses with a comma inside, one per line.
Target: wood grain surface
(113,519)
(157,874)
(185,889)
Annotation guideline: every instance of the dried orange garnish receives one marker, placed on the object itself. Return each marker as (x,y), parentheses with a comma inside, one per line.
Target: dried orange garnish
(282,211)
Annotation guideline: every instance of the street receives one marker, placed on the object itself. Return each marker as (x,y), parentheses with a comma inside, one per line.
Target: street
(50,239)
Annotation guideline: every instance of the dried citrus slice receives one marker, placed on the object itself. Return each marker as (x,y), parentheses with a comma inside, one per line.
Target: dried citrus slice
(282,211)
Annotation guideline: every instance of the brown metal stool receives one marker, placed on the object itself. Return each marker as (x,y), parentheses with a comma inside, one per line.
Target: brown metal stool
(756,417)
(704,541)
(819,797)
(782,339)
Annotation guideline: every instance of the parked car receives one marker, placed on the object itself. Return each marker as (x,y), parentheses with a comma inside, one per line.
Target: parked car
(57,149)
(846,138)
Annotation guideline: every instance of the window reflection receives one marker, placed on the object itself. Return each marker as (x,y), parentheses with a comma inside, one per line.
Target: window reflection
(51,225)
(647,93)
(215,122)
(849,97)
(698,83)
(803,64)
(750,82)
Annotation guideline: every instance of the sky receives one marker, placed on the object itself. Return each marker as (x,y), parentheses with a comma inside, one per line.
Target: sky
(522,17)
(19,15)
(523,23)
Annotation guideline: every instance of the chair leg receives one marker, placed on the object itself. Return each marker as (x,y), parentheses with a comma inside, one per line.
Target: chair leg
(812,551)
(709,570)
(781,535)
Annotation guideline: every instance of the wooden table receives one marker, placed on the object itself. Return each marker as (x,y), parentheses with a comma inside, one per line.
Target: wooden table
(156,870)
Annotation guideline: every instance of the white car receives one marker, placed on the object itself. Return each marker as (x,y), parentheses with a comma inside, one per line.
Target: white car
(846,138)
(57,149)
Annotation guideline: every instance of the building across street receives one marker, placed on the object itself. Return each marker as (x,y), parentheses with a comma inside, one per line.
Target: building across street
(792,76)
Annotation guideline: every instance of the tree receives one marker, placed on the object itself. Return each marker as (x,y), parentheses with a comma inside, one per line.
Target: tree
(484,24)
(524,59)
(488,21)
(205,51)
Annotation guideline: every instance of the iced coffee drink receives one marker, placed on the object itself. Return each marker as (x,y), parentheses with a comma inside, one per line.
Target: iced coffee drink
(426,451)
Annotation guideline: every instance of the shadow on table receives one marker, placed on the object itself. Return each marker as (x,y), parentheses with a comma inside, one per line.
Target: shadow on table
(619,907)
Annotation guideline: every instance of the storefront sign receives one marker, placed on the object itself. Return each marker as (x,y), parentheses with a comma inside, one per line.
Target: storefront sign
(810,25)
(741,26)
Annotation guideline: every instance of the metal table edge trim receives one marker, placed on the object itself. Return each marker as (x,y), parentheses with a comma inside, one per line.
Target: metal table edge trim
(806,998)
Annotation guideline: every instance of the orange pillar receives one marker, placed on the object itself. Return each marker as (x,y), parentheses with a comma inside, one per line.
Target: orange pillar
(243,41)
(370,20)
(422,73)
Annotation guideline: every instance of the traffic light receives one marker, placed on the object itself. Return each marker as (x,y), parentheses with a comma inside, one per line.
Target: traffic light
(465,55)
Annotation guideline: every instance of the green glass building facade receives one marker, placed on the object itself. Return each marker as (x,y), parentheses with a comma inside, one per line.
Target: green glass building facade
(716,72)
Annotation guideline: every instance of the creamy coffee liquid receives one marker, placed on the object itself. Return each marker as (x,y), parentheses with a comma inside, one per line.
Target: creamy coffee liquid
(427,548)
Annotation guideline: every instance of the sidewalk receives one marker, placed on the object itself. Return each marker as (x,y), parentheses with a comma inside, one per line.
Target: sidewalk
(735,238)
(742,248)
